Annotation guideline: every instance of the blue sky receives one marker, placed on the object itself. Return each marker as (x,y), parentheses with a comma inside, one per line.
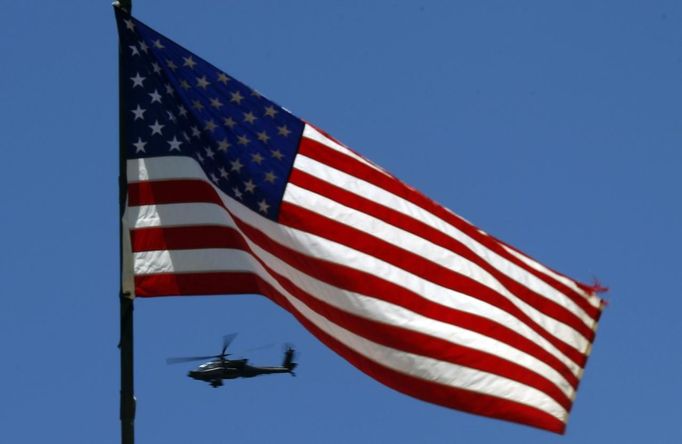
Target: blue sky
(556,126)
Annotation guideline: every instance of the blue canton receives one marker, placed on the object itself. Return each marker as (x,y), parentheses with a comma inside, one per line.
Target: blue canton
(181,105)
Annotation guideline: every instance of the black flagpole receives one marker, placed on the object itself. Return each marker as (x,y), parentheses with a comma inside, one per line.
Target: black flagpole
(127,406)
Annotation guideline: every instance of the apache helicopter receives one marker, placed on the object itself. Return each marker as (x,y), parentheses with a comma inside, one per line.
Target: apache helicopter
(219,368)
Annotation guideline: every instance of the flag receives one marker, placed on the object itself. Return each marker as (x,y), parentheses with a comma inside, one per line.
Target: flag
(227,192)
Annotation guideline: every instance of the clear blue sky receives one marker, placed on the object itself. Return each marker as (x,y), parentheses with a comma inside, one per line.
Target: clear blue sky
(556,126)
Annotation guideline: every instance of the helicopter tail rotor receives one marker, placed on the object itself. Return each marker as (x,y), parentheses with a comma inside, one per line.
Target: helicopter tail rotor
(288,363)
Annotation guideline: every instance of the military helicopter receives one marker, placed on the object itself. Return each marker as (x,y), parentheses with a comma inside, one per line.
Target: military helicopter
(219,367)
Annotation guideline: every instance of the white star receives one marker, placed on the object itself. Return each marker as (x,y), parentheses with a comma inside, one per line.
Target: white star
(237,193)
(171,116)
(195,131)
(129,24)
(156,67)
(143,46)
(210,126)
(216,103)
(157,44)
(196,104)
(257,158)
(236,165)
(156,97)
(277,154)
(139,145)
(236,97)
(229,122)
(182,111)
(209,152)
(243,140)
(185,84)
(137,80)
(263,206)
(139,112)
(222,78)
(263,137)
(134,50)
(156,128)
(223,145)
(174,144)
(283,130)
(223,173)
(249,117)
(270,177)
(270,111)
(255,93)
(189,61)
(169,89)
(202,82)
(249,186)
(200,157)
(214,178)
(171,64)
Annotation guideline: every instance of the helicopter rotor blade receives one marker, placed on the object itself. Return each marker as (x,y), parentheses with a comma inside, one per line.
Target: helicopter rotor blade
(227,340)
(180,360)
(253,349)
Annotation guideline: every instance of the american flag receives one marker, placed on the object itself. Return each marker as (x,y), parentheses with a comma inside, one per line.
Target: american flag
(230,193)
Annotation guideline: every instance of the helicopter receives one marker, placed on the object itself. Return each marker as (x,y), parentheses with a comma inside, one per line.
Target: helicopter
(220,368)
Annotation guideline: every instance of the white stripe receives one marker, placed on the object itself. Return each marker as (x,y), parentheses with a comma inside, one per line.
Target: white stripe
(192,261)
(197,214)
(592,298)
(418,366)
(379,195)
(312,133)
(160,168)
(168,215)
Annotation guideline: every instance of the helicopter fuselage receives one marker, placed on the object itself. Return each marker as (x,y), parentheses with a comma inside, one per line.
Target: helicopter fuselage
(220,368)
(214,372)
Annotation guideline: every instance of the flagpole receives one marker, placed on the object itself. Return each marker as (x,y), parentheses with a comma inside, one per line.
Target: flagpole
(127,400)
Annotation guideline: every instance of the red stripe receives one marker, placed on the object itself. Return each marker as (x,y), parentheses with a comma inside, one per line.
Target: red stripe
(342,162)
(171,191)
(175,238)
(183,284)
(360,282)
(387,335)
(460,399)
(184,237)
(414,226)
